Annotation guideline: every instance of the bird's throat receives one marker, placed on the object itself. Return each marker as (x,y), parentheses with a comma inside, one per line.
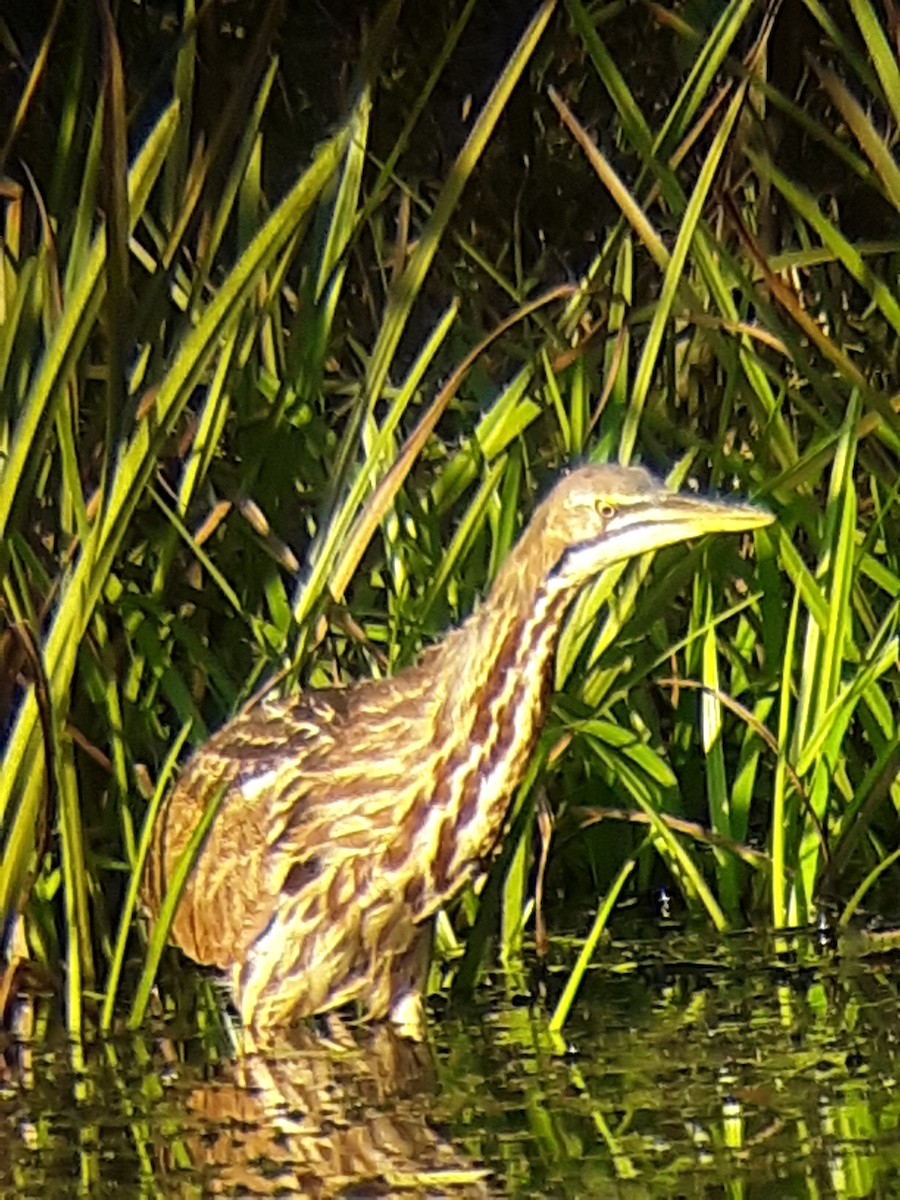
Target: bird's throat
(492,717)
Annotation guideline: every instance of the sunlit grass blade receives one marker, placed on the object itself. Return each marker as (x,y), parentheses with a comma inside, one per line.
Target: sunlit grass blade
(76,885)
(883,55)
(712,738)
(823,654)
(379,446)
(601,922)
(137,869)
(76,322)
(671,282)
(406,289)
(842,249)
(133,470)
(864,131)
(471,523)
(169,905)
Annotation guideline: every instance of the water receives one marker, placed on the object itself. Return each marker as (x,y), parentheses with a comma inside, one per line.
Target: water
(689,1067)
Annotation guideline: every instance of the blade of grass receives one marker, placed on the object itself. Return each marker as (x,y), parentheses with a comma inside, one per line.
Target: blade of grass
(604,912)
(133,470)
(407,288)
(77,320)
(134,883)
(167,909)
(647,364)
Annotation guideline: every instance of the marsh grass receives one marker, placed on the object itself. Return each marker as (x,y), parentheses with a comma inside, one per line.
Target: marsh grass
(227,457)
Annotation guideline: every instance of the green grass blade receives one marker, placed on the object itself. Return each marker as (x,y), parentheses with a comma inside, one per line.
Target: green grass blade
(168,908)
(673,277)
(586,954)
(76,322)
(410,283)
(130,904)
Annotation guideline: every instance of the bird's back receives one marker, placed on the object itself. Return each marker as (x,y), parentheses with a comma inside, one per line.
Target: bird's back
(295,883)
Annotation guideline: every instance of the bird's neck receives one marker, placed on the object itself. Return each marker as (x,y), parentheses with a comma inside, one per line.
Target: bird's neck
(499,671)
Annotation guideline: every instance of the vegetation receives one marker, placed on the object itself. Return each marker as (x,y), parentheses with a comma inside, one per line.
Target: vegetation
(276,409)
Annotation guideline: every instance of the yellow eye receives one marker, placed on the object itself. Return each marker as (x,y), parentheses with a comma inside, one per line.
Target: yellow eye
(605,510)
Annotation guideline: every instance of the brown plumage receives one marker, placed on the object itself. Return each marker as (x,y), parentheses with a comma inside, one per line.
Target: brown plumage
(348,817)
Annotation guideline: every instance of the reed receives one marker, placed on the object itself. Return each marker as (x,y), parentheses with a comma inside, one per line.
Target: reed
(227,454)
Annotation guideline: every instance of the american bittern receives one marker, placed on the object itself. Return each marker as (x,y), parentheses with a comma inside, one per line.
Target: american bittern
(348,817)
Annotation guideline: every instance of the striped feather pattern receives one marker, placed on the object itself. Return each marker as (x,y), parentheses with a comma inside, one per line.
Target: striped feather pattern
(350,816)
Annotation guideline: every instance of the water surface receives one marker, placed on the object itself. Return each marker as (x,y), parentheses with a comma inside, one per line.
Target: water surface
(690,1066)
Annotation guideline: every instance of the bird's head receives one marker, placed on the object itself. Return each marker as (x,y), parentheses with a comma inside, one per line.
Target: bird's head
(599,515)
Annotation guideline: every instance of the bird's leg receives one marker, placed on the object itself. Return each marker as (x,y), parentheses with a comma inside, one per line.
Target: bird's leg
(409,977)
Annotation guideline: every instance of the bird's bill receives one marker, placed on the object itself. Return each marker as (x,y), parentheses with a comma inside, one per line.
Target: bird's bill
(656,521)
(698,515)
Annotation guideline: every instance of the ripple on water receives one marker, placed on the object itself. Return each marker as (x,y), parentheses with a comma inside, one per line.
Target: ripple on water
(689,1065)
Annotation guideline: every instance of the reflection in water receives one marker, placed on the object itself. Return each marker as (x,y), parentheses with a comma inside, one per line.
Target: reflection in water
(324,1117)
(691,1066)
(319,1114)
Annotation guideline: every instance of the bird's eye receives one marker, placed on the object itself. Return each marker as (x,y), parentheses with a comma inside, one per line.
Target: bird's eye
(605,510)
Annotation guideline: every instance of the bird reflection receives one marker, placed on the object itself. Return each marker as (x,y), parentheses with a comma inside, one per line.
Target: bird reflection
(342,1114)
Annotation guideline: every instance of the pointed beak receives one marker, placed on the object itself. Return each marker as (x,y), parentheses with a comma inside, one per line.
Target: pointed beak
(662,518)
(697,515)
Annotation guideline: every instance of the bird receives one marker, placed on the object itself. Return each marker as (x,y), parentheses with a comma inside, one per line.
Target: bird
(347,817)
